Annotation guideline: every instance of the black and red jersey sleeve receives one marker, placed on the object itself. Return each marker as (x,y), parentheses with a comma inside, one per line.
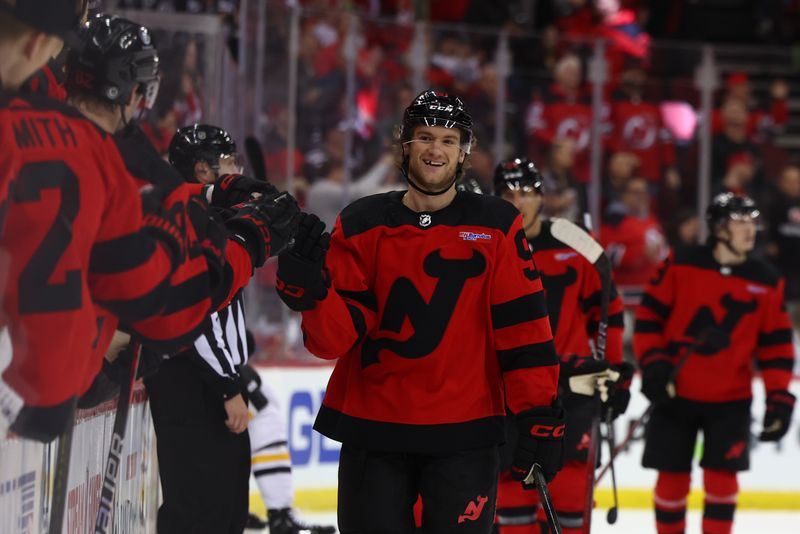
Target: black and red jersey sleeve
(522,336)
(653,311)
(591,295)
(342,319)
(775,350)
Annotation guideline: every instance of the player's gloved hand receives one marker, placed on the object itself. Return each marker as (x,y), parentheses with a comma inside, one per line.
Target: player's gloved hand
(265,226)
(580,375)
(302,279)
(619,394)
(232,189)
(656,372)
(541,441)
(778,415)
(160,223)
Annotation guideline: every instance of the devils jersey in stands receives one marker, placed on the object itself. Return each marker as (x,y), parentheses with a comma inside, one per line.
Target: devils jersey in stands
(573,289)
(691,293)
(432,313)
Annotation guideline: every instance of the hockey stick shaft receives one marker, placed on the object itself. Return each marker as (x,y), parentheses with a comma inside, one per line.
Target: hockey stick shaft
(256,158)
(60,481)
(624,444)
(536,476)
(114,460)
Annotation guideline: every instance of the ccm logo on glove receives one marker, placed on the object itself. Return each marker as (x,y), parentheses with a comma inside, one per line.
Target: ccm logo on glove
(547,431)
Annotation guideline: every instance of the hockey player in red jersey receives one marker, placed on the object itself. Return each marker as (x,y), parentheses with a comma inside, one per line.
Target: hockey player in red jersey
(429,301)
(573,289)
(703,319)
(56,206)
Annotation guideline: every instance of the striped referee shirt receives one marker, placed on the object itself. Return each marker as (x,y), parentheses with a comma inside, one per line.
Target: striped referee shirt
(222,347)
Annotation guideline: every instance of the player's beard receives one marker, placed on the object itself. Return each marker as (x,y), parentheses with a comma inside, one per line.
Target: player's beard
(432,179)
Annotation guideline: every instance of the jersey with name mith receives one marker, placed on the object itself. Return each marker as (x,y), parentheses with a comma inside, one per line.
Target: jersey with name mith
(437,321)
(692,296)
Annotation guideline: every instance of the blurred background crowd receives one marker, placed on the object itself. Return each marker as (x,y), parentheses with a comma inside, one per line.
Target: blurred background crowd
(636,111)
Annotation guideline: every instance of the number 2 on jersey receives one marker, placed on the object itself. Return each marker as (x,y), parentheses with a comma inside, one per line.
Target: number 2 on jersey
(36,293)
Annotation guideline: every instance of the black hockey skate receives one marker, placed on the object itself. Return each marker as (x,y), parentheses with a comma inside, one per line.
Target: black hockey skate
(282,521)
(255,523)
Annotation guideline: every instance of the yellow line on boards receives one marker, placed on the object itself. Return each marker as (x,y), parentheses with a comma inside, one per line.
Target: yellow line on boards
(324,499)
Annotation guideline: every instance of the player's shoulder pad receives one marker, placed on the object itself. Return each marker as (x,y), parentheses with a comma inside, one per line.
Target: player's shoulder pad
(366,213)
(20,103)
(488,211)
(759,270)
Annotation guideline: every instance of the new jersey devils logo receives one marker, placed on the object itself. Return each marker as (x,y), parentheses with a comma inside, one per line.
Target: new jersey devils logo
(576,129)
(703,319)
(428,319)
(639,132)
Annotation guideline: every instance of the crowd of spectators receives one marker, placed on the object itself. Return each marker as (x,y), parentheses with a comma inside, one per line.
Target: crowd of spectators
(648,118)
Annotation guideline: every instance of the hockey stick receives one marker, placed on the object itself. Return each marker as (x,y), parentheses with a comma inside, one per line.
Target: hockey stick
(611,517)
(256,158)
(579,240)
(60,480)
(536,476)
(114,459)
(624,445)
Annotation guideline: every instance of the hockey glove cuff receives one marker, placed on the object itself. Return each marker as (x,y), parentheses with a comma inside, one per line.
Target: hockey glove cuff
(233,189)
(302,279)
(778,415)
(582,375)
(619,394)
(541,441)
(265,226)
(656,372)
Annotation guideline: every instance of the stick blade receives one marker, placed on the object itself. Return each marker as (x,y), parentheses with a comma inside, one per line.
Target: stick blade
(576,237)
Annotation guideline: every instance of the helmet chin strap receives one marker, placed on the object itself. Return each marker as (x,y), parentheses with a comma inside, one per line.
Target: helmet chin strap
(412,183)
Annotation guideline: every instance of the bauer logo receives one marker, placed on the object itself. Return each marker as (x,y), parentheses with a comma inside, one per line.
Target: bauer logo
(472,236)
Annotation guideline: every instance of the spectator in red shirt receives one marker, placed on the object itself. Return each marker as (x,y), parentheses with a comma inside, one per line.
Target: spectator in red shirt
(760,122)
(633,239)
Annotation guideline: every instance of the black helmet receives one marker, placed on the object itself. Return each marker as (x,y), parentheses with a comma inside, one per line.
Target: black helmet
(117,58)
(55,17)
(517,174)
(199,142)
(726,206)
(433,108)
(469,184)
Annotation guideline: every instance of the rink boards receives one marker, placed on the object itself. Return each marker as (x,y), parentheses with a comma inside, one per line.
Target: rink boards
(770,484)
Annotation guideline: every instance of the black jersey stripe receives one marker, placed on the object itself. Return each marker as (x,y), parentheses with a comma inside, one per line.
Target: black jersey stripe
(782,364)
(121,254)
(520,310)
(648,327)
(777,337)
(527,356)
(657,307)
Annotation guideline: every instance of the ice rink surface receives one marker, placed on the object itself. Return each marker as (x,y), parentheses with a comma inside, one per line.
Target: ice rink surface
(642,522)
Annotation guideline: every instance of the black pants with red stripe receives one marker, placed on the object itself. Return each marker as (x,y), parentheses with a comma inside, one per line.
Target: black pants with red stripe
(377,491)
(203,466)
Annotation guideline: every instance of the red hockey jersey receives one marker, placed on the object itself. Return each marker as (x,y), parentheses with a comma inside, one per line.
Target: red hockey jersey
(557,116)
(637,128)
(691,293)
(65,194)
(429,315)
(573,290)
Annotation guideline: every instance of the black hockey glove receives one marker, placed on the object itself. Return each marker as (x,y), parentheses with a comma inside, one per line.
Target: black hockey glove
(619,394)
(656,372)
(302,279)
(265,226)
(540,441)
(778,415)
(158,222)
(233,189)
